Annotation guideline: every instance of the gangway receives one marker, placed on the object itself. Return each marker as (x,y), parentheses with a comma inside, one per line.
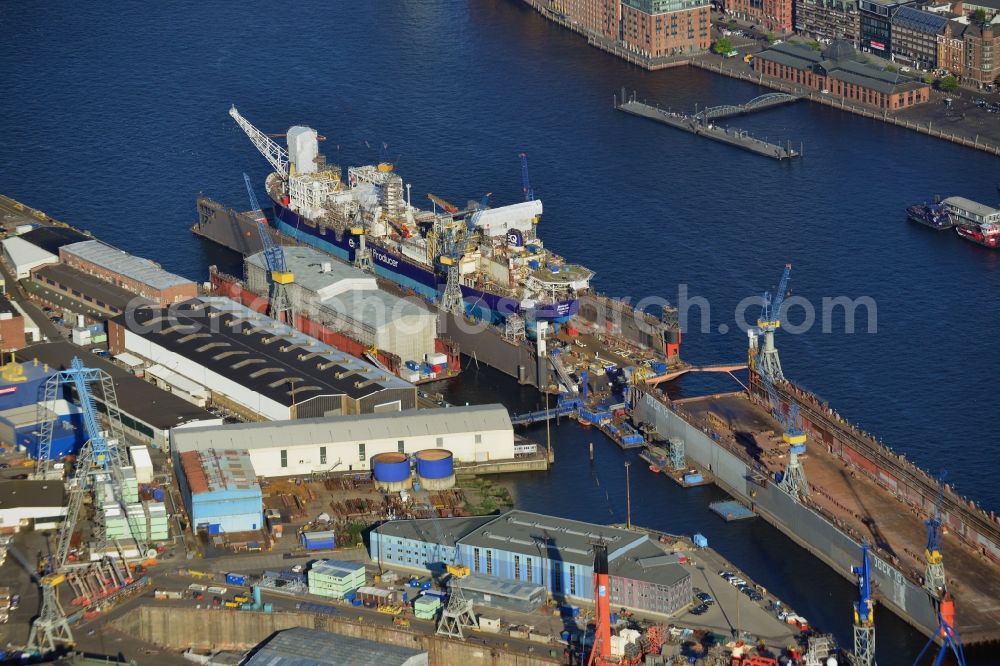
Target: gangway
(555,361)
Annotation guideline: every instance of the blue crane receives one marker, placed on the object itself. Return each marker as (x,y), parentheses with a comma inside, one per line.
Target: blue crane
(529,194)
(950,640)
(934,580)
(279,307)
(864,613)
(794,478)
(770,321)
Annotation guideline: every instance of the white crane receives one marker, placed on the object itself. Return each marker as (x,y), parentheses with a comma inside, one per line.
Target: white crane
(272,152)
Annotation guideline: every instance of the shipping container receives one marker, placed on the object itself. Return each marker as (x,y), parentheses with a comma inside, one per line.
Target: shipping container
(217,589)
(236,579)
(167,594)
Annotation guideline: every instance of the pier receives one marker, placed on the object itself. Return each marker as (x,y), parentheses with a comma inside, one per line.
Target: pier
(700,126)
(761,103)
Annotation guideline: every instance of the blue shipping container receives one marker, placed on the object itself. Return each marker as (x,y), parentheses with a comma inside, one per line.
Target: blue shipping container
(236,579)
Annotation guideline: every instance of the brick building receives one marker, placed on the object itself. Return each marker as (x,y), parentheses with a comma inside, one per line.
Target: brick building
(838,71)
(658,28)
(597,16)
(772,15)
(135,274)
(11,326)
(915,37)
(967,48)
(828,20)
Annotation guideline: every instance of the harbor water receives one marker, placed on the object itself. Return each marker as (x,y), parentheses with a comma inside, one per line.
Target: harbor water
(116,118)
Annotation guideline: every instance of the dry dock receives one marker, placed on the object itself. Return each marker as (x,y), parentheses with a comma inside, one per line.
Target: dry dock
(736,439)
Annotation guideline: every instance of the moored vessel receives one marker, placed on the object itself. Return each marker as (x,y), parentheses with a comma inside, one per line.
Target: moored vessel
(933,215)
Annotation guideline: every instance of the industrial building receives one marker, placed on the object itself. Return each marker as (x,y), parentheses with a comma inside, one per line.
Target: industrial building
(547,551)
(334,578)
(31,503)
(23,257)
(77,292)
(343,443)
(349,301)
(148,413)
(220,490)
(51,239)
(21,427)
(135,274)
(299,646)
(254,365)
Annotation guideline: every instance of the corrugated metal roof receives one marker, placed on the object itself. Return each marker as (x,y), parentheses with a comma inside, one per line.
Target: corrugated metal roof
(88,285)
(961,203)
(310,647)
(217,470)
(332,429)
(123,263)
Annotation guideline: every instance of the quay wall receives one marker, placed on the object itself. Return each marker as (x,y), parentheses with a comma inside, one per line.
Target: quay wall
(200,629)
(800,523)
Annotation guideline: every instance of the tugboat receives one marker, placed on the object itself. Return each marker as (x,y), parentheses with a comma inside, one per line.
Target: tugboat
(933,215)
(986,234)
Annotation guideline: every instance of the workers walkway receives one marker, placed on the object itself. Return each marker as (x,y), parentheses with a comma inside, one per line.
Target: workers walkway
(762,103)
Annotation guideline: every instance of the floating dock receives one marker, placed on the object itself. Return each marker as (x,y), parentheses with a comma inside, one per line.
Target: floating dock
(700,126)
(731,510)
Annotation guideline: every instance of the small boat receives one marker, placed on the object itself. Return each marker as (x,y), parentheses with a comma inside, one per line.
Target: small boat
(986,234)
(654,469)
(584,422)
(933,215)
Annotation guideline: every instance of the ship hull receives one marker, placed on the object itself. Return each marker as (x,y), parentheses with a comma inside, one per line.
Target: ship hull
(409,275)
(977,237)
(922,215)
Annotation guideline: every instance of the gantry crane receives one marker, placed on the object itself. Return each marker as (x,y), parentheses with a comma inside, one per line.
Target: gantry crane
(768,362)
(99,461)
(864,613)
(934,580)
(950,640)
(279,306)
(272,152)
(529,194)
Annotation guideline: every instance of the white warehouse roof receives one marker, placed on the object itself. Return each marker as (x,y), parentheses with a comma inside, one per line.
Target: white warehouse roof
(307,432)
(123,263)
(23,253)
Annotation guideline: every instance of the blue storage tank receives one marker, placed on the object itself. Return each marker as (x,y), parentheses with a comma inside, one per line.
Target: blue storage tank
(158,494)
(693,478)
(391,470)
(435,469)
(435,463)
(533,264)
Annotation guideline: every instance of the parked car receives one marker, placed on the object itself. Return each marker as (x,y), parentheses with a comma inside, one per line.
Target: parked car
(705,598)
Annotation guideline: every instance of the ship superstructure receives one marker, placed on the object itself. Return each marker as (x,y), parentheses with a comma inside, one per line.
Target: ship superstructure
(491,256)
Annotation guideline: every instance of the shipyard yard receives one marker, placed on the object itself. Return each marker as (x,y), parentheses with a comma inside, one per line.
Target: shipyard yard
(370,377)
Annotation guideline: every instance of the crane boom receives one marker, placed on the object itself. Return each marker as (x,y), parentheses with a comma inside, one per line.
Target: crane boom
(274,256)
(272,152)
(529,194)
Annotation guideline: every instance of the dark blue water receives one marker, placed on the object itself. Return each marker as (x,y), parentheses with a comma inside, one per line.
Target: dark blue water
(116,117)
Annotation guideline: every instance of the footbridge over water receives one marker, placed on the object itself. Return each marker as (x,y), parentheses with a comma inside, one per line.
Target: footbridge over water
(756,104)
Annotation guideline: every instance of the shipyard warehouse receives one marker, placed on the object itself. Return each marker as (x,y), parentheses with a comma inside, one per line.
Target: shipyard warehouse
(255,366)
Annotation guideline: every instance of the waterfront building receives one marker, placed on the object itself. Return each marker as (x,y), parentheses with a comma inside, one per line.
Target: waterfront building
(828,20)
(22,257)
(838,70)
(875,25)
(659,28)
(771,15)
(547,551)
(600,17)
(140,276)
(915,37)
(41,504)
(349,443)
(254,365)
(966,49)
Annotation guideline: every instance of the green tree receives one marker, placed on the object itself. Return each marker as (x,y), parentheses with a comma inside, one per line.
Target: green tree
(891,68)
(732,24)
(948,83)
(979,15)
(723,45)
(770,38)
(928,78)
(816,46)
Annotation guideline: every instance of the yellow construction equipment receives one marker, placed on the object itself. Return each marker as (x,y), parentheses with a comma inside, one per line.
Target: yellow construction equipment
(458,570)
